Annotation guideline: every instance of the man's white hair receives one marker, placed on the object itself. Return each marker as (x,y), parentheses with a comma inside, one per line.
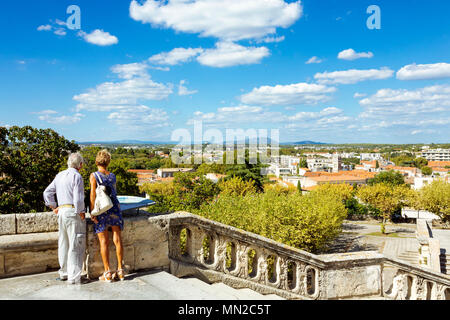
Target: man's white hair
(75,160)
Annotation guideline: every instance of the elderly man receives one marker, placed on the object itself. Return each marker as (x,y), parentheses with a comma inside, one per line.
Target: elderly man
(68,188)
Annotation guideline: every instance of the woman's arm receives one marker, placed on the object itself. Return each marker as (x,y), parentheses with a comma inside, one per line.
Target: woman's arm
(93,189)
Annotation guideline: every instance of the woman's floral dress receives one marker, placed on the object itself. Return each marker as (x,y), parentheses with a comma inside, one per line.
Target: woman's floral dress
(112,217)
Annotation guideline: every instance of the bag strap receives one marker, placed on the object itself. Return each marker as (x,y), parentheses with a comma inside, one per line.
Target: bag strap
(97,176)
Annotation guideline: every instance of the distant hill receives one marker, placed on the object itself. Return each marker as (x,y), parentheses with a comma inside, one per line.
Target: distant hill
(305,142)
(133,142)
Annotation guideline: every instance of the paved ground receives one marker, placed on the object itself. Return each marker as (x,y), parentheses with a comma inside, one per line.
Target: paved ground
(155,285)
(402,244)
(360,236)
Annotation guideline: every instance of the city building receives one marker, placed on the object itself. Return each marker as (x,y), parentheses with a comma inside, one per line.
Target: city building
(436,154)
(370,156)
(330,164)
(144,176)
(169,172)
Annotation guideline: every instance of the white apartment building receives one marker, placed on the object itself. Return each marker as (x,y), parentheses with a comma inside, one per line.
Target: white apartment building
(332,164)
(370,156)
(436,154)
(286,161)
(169,172)
(420,182)
(279,171)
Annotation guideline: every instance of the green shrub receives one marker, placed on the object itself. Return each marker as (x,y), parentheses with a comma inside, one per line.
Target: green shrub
(307,222)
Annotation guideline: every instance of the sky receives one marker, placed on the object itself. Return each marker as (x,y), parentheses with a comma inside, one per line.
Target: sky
(313,69)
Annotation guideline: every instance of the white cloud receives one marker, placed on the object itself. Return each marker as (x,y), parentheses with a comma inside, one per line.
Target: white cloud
(272,39)
(136,87)
(128,92)
(407,110)
(99,37)
(60,23)
(285,95)
(175,56)
(315,115)
(60,32)
(131,70)
(122,99)
(230,116)
(353,76)
(183,91)
(138,116)
(359,95)
(424,100)
(313,60)
(46,27)
(227,20)
(350,54)
(52,116)
(424,71)
(325,119)
(227,54)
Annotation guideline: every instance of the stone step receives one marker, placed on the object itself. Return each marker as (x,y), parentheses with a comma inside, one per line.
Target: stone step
(253,295)
(225,292)
(229,290)
(220,292)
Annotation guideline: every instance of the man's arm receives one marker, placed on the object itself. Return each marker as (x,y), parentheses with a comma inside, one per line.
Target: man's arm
(49,196)
(78,196)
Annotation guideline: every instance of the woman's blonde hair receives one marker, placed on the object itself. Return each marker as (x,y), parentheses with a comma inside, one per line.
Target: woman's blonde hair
(103,158)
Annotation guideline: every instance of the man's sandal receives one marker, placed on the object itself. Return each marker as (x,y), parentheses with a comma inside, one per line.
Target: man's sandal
(106,276)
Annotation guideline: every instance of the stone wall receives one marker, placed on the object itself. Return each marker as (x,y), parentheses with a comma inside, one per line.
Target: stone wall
(28,243)
(155,242)
(145,242)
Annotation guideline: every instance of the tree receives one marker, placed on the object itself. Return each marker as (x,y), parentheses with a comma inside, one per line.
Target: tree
(186,192)
(390,177)
(426,170)
(385,197)
(299,187)
(29,161)
(247,171)
(126,182)
(435,198)
(420,162)
(303,163)
(237,186)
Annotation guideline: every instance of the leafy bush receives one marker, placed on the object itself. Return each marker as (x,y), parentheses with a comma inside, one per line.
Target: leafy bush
(237,186)
(185,193)
(308,222)
(390,177)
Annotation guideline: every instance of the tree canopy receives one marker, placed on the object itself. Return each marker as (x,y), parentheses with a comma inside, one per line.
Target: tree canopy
(29,161)
(390,177)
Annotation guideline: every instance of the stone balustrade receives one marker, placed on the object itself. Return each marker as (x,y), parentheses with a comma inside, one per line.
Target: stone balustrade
(429,247)
(189,245)
(215,252)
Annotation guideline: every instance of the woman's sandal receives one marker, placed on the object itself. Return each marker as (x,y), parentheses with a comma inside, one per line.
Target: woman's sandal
(107,276)
(120,274)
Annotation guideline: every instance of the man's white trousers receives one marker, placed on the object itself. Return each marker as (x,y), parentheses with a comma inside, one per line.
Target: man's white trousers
(71,244)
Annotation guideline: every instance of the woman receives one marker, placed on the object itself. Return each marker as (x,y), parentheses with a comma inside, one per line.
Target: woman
(110,219)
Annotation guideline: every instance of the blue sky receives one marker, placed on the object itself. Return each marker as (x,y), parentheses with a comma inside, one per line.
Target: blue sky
(311,69)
